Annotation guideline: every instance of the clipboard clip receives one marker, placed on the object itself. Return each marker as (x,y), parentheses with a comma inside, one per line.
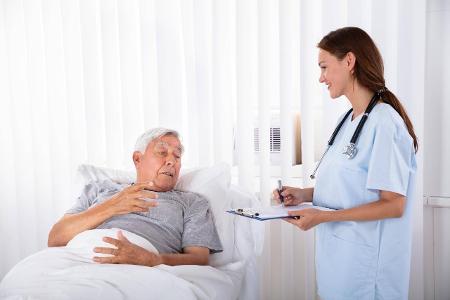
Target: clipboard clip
(245,213)
(256,215)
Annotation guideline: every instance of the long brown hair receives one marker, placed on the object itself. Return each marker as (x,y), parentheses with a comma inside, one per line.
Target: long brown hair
(369,69)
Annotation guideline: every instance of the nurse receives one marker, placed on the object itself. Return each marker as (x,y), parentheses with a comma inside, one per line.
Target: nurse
(363,248)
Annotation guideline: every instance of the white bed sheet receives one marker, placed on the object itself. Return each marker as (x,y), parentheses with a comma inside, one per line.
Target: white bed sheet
(69,273)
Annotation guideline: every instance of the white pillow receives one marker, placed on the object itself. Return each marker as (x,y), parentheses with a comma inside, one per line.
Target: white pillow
(211,182)
(93,173)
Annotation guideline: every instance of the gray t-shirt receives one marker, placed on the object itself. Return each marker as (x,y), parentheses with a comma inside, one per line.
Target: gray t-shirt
(181,219)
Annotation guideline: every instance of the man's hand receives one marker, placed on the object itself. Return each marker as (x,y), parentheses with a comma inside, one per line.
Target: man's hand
(308,218)
(134,198)
(126,253)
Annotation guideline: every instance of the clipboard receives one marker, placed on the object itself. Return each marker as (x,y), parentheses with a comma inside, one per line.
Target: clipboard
(273,212)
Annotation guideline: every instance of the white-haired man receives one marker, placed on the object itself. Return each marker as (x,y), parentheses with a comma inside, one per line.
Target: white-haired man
(179,224)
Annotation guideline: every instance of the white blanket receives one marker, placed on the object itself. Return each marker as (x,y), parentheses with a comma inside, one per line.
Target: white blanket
(69,273)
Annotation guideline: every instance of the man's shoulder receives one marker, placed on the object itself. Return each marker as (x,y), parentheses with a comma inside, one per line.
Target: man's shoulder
(186,194)
(101,186)
(189,196)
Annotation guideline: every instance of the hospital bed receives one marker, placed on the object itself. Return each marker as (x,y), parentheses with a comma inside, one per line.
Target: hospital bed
(69,273)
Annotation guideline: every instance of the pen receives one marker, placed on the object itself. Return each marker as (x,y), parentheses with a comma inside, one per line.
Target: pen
(280,189)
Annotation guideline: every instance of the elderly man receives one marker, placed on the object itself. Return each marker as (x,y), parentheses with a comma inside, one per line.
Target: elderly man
(179,224)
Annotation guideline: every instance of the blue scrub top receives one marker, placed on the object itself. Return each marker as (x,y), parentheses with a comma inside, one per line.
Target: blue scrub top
(370,259)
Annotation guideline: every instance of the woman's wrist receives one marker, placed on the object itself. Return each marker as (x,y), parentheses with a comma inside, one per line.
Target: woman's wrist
(327,216)
(308,194)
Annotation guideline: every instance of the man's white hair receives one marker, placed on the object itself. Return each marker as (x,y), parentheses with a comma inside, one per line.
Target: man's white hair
(152,134)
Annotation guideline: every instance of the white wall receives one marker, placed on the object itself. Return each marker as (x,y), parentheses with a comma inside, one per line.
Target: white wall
(436,152)
(437,102)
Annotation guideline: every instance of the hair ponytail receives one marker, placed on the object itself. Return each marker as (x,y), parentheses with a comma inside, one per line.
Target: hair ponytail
(389,98)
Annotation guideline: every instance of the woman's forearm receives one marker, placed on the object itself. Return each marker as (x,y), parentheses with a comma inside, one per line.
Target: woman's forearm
(381,209)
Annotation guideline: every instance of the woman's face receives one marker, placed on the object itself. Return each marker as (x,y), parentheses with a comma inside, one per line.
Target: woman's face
(335,73)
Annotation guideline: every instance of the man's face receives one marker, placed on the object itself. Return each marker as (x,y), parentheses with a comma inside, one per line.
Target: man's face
(160,163)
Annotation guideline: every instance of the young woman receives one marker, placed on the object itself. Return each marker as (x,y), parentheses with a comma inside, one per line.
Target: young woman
(363,248)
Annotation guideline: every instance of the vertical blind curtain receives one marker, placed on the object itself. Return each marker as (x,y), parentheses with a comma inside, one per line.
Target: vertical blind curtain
(81,79)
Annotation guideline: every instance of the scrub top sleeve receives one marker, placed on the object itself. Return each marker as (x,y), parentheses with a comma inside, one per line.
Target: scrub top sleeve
(391,160)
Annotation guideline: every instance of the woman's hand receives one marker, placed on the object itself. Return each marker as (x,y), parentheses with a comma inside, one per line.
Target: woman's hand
(292,195)
(126,253)
(308,218)
(134,198)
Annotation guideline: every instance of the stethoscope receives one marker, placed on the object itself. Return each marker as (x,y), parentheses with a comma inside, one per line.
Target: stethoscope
(350,150)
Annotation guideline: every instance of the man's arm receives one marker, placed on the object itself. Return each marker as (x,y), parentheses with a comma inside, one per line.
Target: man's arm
(127,201)
(190,256)
(126,252)
(72,224)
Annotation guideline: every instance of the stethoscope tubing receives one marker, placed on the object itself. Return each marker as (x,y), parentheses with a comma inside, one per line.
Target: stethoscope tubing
(350,150)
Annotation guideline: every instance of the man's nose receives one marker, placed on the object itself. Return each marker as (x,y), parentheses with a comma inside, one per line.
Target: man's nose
(170,160)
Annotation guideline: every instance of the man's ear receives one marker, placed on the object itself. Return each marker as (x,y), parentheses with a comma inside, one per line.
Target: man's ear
(137,156)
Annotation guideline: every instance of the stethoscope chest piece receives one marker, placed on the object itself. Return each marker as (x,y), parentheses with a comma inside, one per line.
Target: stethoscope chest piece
(350,150)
